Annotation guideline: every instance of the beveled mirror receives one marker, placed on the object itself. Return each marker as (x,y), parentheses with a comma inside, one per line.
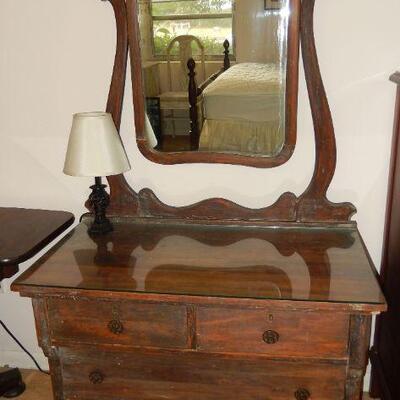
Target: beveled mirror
(216,80)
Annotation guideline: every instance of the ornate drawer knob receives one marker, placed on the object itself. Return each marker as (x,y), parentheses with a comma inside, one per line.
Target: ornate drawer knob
(271,337)
(302,394)
(115,326)
(96,377)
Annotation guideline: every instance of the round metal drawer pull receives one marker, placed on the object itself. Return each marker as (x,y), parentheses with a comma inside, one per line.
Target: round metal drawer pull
(96,377)
(302,394)
(271,337)
(115,326)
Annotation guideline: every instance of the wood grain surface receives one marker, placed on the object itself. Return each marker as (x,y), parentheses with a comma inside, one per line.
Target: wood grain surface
(302,264)
(194,376)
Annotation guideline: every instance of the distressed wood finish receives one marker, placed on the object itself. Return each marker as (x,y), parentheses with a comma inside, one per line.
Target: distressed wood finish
(218,209)
(44,338)
(194,376)
(166,309)
(89,322)
(293,334)
(359,338)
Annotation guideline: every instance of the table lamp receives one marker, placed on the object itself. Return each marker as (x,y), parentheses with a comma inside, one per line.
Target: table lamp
(95,149)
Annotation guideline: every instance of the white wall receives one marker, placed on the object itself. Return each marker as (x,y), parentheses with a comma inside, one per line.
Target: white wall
(252,24)
(56,58)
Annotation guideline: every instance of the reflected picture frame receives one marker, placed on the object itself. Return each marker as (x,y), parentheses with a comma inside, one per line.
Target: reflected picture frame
(270,5)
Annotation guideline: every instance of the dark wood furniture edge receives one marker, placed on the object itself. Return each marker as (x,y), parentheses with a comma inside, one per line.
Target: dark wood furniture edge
(243,355)
(359,339)
(164,351)
(379,386)
(7,271)
(13,263)
(173,158)
(285,209)
(242,223)
(284,305)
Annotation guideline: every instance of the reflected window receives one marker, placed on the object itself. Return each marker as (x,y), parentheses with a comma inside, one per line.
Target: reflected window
(208,20)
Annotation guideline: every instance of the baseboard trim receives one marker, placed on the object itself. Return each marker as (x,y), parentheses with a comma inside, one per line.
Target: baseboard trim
(21,360)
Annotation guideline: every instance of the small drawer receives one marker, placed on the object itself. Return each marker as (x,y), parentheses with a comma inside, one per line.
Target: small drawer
(118,375)
(124,323)
(286,334)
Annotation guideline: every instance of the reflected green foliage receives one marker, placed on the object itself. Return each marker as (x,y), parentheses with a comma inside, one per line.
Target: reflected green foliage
(211,31)
(163,8)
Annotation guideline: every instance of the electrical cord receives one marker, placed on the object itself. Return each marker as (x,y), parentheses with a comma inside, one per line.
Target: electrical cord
(22,347)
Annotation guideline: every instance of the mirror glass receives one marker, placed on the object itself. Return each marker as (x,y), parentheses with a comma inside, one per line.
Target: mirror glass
(214,75)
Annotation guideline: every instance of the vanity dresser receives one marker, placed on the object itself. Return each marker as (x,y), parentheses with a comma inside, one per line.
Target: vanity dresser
(214,301)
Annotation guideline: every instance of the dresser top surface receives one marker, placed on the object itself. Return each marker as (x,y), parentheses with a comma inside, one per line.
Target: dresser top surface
(303,264)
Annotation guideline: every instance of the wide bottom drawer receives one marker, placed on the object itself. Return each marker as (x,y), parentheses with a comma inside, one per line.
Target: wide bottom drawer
(98,375)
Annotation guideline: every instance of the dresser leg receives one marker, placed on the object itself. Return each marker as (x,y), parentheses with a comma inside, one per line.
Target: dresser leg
(360,333)
(43,333)
(56,378)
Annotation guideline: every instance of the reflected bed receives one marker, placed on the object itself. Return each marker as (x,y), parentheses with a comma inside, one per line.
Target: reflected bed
(243,110)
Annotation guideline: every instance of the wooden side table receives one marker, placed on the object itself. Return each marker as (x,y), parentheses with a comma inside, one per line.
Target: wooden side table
(23,233)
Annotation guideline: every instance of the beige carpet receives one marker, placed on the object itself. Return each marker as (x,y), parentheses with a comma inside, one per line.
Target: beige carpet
(38,386)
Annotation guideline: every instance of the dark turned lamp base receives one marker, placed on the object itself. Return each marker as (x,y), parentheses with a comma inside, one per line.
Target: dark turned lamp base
(100,228)
(99,201)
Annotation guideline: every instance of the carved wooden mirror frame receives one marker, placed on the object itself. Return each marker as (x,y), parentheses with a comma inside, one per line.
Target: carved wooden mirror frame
(311,207)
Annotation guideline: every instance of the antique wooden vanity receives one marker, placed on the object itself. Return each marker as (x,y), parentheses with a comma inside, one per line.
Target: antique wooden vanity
(214,300)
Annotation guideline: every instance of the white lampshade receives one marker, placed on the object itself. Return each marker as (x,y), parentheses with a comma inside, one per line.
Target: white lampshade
(94,147)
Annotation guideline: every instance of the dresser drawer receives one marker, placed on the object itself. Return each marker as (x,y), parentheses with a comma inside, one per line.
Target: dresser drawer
(194,376)
(286,334)
(124,323)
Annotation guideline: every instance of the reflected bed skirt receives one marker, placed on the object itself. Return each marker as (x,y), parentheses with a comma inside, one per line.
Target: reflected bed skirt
(251,137)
